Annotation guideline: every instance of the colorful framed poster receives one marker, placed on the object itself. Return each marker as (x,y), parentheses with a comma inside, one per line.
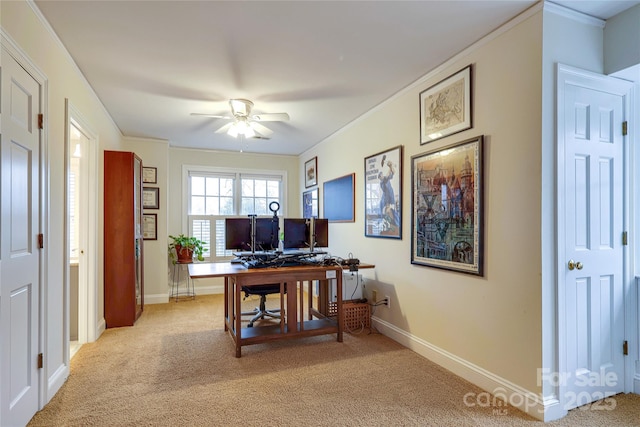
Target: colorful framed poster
(447,210)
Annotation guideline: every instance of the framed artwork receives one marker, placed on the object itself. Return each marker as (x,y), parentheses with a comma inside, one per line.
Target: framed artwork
(310,204)
(445,108)
(150,198)
(383,194)
(338,199)
(149,227)
(149,175)
(447,208)
(311,172)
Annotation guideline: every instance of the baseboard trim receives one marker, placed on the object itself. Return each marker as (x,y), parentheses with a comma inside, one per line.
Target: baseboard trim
(546,409)
(200,290)
(55,381)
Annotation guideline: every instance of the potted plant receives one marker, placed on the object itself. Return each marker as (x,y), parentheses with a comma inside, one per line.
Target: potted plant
(183,248)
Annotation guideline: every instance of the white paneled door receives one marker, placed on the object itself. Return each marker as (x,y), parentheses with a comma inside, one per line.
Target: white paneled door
(19,250)
(591,299)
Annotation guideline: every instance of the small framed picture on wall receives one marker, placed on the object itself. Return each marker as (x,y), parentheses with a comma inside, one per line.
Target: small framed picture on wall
(149,175)
(311,172)
(151,198)
(310,203)
(149,226)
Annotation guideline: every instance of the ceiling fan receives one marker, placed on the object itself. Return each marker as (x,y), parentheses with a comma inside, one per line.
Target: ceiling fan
(244,123)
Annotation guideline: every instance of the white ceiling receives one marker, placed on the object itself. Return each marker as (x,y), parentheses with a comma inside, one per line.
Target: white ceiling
(326,63)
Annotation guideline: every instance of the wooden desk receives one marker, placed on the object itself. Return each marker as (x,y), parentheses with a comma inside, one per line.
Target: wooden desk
(292,323)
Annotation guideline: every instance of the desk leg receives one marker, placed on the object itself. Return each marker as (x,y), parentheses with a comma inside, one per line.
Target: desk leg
(237,311)
(323,297)
(292,312)
(310,298)
(226,303)
(339,305)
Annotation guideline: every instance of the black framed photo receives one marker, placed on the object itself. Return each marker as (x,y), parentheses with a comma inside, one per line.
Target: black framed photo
(150,197)
(310,204)
(447,207)
(149,175)
(338,199)
(311,172)
(383,194)
(445,108)
(150,227)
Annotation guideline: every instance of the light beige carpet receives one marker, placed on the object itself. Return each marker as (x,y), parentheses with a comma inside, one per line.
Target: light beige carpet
(176,367)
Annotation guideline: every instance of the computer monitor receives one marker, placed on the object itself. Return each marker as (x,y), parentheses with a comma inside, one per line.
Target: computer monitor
(296,233)
(267,234)
(237,233)
(321,232)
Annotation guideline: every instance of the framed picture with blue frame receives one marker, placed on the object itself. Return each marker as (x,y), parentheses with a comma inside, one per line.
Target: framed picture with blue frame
(383,194)
(310,204)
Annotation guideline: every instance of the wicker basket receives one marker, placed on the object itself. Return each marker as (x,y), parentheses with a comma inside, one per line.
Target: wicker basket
(357,316)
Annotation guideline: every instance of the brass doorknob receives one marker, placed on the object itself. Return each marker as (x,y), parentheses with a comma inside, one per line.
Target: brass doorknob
(575,264)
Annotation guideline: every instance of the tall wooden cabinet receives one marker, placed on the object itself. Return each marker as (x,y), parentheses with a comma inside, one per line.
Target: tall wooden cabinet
(123,244)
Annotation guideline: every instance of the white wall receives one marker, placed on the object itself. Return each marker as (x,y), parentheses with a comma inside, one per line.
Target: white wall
(491,322)
(22,25)
(154,153)
(622,41)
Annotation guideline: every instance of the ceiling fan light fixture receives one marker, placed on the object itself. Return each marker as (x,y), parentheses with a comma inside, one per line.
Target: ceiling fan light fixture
(241,127)
(233,131)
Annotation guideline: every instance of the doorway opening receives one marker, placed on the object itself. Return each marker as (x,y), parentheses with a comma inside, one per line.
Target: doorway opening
(81,223)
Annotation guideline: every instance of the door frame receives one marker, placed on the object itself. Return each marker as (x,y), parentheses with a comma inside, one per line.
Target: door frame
(48,382)
(566,74)
(88,297)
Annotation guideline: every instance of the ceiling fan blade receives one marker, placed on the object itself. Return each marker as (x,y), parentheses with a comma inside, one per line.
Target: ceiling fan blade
(270,117)
(225,128)
(215,116)
(260,129)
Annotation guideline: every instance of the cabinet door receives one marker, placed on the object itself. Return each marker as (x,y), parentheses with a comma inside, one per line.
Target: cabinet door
(123,250)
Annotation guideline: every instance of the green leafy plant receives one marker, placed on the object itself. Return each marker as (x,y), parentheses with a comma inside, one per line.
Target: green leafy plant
(182,245)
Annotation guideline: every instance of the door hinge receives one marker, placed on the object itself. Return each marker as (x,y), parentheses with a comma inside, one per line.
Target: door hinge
(625,348)
(625,128)
(625,241)
(40,361)
(40,121)
(41,241)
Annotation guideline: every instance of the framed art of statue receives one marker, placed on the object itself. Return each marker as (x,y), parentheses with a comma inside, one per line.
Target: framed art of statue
(447,209)
(383,194)
(310,204)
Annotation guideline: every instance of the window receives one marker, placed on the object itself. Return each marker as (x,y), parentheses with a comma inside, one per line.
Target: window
(214,194)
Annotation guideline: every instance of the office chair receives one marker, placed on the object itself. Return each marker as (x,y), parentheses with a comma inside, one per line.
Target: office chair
(261,311)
